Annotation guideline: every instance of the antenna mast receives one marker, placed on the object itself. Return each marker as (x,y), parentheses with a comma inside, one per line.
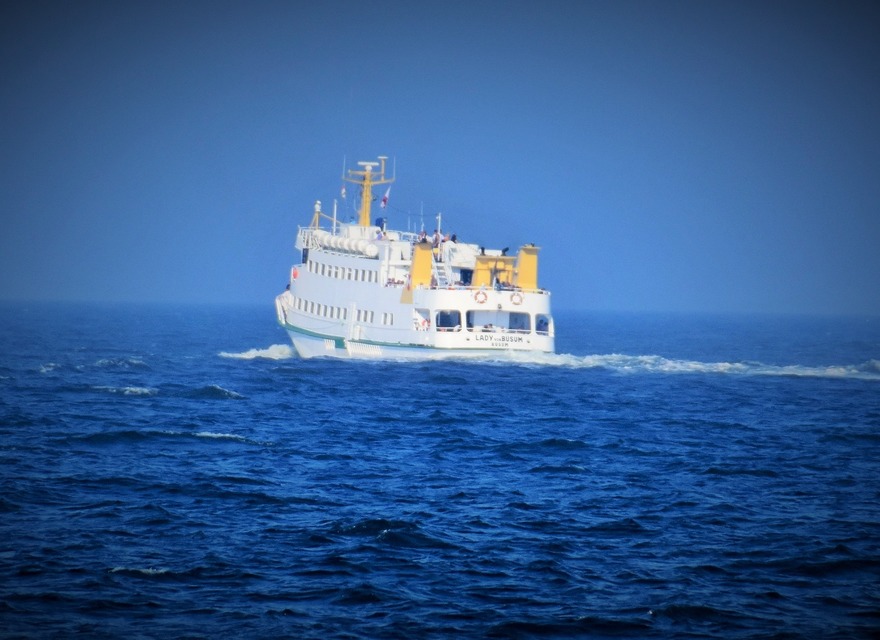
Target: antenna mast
(367,176)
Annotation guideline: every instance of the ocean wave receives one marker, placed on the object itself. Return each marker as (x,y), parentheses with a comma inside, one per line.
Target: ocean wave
(117,437)
(133,436)
(8,507)
(213,392)
(698,613)
(121,363)
(395,533)
(220,436)
(129,391)
(146,572)
(560,469)
(364,594)
(275,352)
(227,437)
(568,627)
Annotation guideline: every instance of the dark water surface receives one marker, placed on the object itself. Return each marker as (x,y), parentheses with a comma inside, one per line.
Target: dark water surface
(175,472)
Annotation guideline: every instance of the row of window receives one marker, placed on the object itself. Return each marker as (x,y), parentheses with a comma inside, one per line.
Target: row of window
(343,273)
(480,320)
(444,319)
(339,313)
(316,309)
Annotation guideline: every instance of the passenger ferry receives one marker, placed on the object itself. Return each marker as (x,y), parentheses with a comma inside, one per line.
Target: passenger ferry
(362,290)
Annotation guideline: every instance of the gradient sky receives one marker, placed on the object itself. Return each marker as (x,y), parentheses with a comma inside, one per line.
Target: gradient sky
(667,156)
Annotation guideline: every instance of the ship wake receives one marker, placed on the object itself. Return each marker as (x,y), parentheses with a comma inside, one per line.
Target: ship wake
(627,364)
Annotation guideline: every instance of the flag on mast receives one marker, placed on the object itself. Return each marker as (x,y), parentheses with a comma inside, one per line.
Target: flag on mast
(385,197)
(343,192)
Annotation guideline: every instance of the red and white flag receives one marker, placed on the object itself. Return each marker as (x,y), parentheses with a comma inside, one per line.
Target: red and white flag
(385,198)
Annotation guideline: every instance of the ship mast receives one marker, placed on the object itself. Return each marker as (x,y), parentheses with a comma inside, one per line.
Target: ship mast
(366,176)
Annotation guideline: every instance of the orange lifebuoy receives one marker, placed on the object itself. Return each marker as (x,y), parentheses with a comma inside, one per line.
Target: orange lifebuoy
(480,297)
(294,273)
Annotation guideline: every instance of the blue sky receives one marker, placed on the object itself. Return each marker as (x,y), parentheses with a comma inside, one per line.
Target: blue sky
(667,156)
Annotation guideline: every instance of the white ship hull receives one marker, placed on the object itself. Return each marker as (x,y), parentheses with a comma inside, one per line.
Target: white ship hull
(322,337)
(311,347)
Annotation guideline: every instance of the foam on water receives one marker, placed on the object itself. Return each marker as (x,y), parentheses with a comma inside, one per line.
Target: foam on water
(121,363)
(275,352)
(129,391)
(220,436)
(626,364)
(621,363)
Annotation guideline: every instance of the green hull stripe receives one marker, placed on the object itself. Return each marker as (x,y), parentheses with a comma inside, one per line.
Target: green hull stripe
(339,343)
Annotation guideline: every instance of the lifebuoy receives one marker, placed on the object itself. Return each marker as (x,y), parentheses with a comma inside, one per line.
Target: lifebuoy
(294,273)
(480,297)
(516,298)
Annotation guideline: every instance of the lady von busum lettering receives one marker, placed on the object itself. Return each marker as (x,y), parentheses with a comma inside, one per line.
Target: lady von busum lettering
(499,340)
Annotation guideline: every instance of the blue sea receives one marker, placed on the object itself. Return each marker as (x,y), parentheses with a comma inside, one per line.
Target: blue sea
(176,472)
